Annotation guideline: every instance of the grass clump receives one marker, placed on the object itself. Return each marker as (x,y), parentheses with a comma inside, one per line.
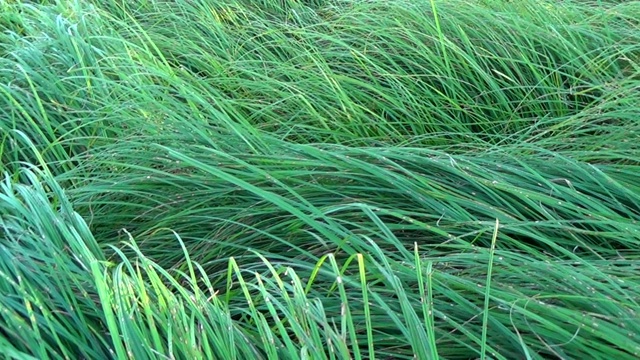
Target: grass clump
(319,180)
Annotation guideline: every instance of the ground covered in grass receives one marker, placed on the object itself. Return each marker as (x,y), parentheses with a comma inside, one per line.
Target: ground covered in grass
(321,179)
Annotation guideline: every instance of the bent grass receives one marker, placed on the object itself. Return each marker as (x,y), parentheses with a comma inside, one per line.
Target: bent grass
(328,180)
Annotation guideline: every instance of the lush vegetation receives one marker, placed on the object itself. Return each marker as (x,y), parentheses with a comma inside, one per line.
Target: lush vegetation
(321,179)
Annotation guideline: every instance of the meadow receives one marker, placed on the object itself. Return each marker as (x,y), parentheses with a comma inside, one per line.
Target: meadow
(320,179)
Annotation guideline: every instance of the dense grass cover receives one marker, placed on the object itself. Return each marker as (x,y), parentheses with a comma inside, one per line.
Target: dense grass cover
(322,179)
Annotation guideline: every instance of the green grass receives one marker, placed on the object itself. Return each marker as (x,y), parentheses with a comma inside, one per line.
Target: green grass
(328,179)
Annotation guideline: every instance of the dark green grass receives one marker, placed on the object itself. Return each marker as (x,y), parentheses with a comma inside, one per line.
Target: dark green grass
(319,180)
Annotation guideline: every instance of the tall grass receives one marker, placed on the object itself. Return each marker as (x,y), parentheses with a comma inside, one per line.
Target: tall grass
(319,180)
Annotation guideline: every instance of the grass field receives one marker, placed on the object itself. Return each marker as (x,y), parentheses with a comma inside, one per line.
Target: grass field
(320,179)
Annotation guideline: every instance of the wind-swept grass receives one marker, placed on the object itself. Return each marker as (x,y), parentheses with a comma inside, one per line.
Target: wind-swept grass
(70,300)
(319,180)
(351,74)
(322,194)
